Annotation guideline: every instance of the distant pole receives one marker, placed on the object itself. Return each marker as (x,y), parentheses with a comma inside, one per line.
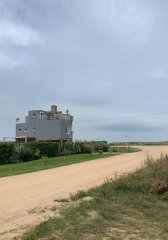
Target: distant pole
(126,141)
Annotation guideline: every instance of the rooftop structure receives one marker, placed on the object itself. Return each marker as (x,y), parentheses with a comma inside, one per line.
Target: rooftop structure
(45,125)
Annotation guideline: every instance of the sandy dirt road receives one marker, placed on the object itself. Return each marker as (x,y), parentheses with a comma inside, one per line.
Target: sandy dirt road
(21,195)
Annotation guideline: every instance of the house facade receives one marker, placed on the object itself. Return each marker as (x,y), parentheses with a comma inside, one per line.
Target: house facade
(45,125)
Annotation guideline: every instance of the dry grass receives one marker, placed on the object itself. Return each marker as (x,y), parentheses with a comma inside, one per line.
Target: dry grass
(133,207)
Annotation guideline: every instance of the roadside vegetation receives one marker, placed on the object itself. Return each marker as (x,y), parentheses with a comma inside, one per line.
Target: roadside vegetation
(38,156)
(131,207)
(122,149)
(11,153)
(164,143)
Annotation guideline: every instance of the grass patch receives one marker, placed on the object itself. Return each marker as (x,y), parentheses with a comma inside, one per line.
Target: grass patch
(120,150)
(131,207)
(79,195)
(47,163)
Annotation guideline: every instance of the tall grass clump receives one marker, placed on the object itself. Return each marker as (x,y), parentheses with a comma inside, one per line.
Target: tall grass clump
(152,178)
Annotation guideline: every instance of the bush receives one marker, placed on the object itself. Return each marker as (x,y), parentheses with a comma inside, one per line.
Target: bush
(77,147)
(49,149)
(69,147)
(82,147)
(87,149)
(101,146)
(37,154)
(14,158)
(115,149)
(7,150)
(25,154)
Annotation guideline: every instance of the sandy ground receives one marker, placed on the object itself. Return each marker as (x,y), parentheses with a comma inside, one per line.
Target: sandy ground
(23,197)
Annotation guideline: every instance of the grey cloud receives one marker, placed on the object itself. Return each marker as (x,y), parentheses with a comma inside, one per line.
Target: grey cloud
(129,127)
(95,57)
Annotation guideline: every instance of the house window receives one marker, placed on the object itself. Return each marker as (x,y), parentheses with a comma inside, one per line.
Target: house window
(34,114)
(67,130)
(19,130)
(25,130)
(34,129)
(41,116)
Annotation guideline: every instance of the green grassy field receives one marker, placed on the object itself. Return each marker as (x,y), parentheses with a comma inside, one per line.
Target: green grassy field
(47,163)
(132,207)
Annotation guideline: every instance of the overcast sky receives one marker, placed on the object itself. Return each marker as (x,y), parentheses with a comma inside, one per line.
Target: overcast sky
(104,60)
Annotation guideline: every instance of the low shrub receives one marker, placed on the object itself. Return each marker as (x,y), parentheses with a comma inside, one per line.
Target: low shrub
(49,149)
(7,150)
(37,154)
(87,149)
(101,146)
(69,147)
(115,149)
(25,154)
(14,158)
(82,147)
(77,147)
